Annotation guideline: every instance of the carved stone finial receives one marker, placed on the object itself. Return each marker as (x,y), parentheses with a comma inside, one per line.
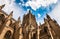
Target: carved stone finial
(2,6)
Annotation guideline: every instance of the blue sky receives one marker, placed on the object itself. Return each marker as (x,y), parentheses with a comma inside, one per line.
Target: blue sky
(39,12)
(39,8)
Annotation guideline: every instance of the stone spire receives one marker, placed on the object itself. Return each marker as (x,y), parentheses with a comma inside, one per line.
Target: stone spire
(2,6)
(10,15)
(45,20)
(55,21)
(39,24)
(19,22)
(29,11)
(49,29)
(29,17)
(48,17)
(17,29)
(18,19)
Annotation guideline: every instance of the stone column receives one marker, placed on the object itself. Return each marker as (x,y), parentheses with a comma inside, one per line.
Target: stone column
(21,35)
(38,33)
(30,35)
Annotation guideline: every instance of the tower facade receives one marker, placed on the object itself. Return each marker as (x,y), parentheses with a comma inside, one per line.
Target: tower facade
(29,24)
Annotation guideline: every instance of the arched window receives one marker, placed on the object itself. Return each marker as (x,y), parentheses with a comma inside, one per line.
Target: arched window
(7,35)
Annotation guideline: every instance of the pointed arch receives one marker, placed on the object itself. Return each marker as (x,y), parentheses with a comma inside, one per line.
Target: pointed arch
(8,35)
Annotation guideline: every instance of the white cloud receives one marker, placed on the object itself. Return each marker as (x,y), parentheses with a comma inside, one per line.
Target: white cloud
(7,2)
(41,21)
(56,13)
(22,1)
(39,15)
(35,4)
(10,5)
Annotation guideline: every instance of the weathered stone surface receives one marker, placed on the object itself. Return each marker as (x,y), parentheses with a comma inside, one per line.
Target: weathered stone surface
(13,29)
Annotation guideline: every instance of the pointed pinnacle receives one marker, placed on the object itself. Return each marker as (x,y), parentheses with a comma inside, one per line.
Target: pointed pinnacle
(39,24)
(18,18)
(44,19)
(29,11)
(47,16)
(2,6)
(10,15)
